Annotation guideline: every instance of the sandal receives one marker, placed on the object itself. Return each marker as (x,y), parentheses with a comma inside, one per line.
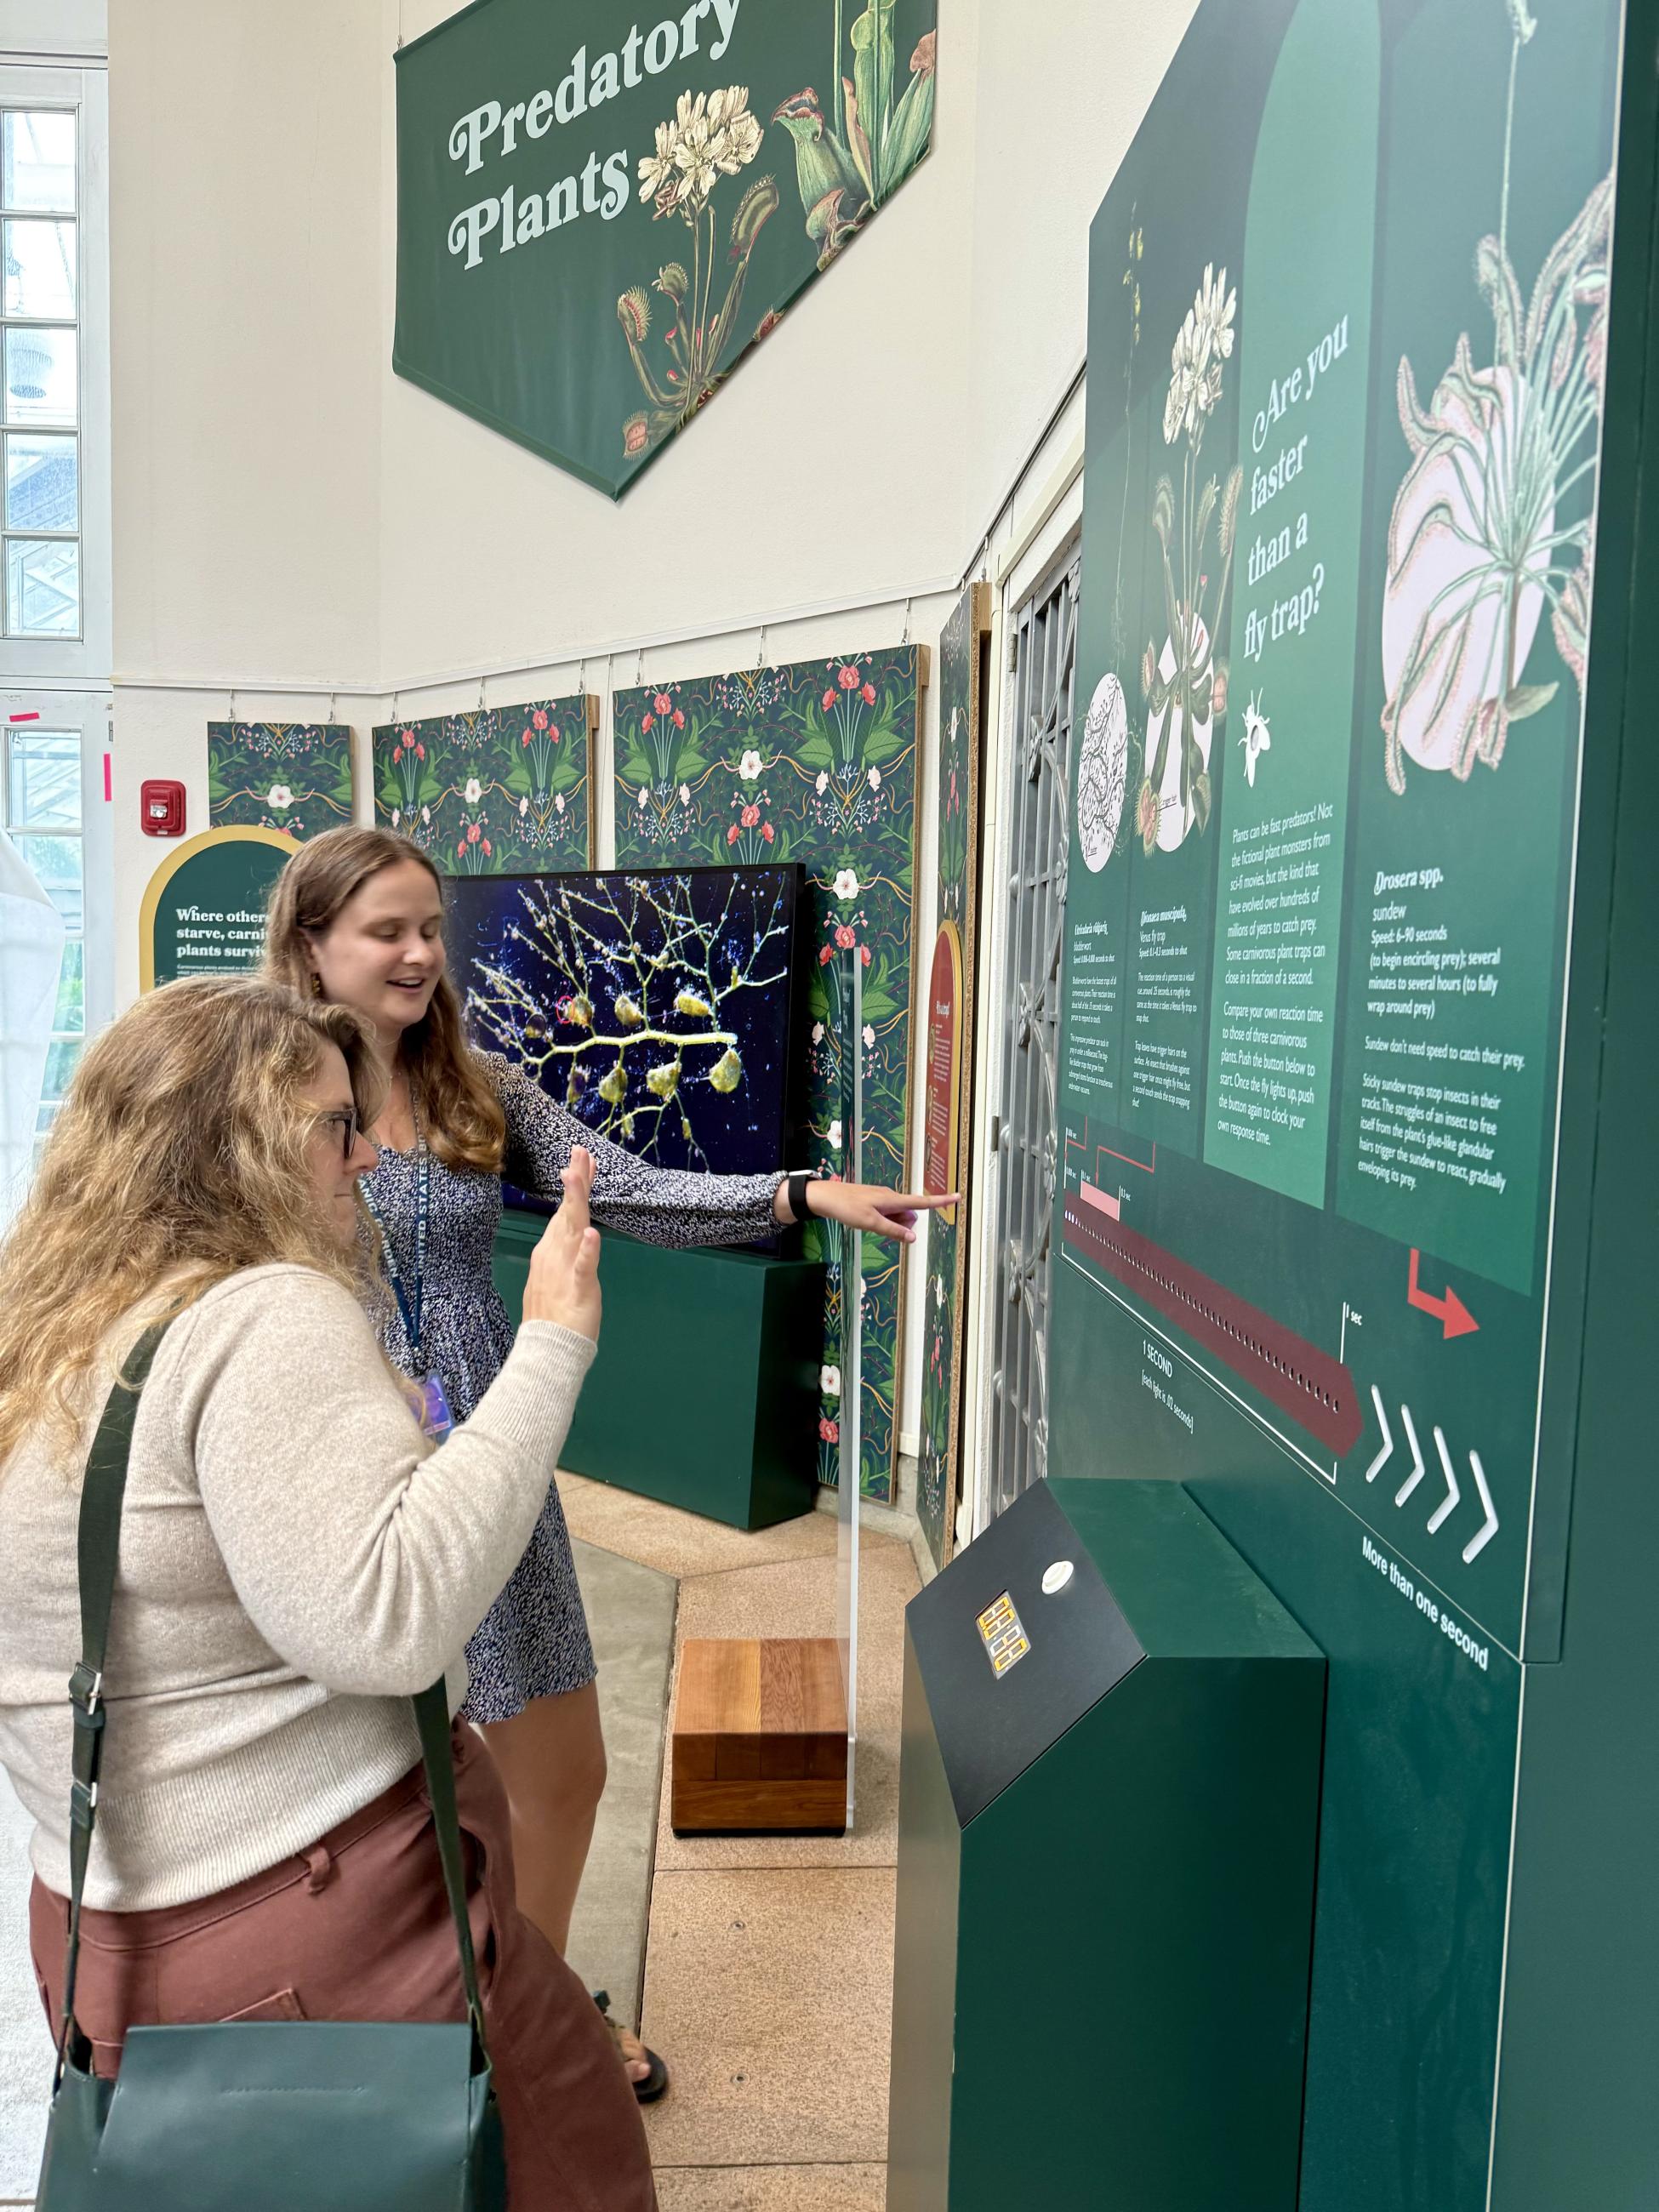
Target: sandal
(653,2084)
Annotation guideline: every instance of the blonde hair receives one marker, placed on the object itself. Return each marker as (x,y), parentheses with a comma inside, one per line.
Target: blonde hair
(180,1155)
(461,1117)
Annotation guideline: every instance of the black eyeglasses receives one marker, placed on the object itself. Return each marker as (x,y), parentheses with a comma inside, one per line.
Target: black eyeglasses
(345,1120)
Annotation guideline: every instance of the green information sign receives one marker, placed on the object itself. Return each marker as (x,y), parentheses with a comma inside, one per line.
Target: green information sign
(598,217)
(204,911)
(1350,378)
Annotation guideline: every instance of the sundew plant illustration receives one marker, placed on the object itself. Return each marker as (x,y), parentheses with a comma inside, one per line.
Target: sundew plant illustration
(655,1006)
(1478,547)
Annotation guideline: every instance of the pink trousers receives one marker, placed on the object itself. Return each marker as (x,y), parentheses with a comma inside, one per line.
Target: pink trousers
(358,1929)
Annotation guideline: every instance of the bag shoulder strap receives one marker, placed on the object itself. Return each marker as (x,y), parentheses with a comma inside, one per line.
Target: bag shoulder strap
(98,1552)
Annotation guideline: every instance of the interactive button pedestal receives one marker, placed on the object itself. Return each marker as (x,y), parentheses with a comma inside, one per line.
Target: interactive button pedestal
(1109,1829)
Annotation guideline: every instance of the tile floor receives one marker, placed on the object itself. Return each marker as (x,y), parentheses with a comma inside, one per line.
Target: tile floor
(768,1967)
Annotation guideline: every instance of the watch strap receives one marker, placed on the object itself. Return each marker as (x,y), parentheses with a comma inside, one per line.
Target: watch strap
(797,1182)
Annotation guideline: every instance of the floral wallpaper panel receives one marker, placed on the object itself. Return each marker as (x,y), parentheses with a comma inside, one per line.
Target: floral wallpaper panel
(291,776)
(814,763)
(502,791)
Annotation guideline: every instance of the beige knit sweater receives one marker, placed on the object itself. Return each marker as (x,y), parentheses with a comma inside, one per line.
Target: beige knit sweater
(296,1560)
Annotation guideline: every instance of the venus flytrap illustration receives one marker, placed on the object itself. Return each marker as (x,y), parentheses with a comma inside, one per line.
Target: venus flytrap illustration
(1478,551)
(1185,686)
(712,134)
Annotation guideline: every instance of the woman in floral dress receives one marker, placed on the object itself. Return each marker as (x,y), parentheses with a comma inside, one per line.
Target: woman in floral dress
(357,918)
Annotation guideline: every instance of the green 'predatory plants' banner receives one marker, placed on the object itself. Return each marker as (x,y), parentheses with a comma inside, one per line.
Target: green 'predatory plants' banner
(597,216)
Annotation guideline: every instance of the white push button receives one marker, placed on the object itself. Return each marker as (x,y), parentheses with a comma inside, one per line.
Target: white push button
(1055,1578)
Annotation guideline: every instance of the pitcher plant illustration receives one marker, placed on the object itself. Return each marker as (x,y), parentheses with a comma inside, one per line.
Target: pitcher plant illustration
(1477,548)
(849,162)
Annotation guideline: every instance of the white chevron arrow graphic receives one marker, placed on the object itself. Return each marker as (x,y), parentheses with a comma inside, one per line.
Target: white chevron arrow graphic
(1416,1474)
(1484,1534)
(1448,1505)
(1382,1457)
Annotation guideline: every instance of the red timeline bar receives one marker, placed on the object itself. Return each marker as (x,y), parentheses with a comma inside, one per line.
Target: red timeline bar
(1316,1390)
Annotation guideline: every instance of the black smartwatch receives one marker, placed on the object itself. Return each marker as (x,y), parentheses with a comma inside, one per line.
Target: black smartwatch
(795,1184)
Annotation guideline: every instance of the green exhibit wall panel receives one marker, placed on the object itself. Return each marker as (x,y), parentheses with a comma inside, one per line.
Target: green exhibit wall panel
(1358,1050)
(705,1377)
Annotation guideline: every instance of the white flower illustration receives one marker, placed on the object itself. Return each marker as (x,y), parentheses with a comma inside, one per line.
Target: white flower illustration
(523,804)
(685,794)
(473,791)
(829,1381)
(846,884)
(559,801)
(818,1027)
(639,801)
(397,816)
(696,149)
(875,779)
(835,1136)
(737,133)
(750,767)
(869,1033)
(658,175)
(426,814)
(1204,341)
(280,796)
(823,783)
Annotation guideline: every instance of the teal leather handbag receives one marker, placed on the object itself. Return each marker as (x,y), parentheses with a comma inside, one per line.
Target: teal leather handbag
(257,2116)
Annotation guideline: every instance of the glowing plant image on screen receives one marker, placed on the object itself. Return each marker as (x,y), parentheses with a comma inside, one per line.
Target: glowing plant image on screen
(655,1006)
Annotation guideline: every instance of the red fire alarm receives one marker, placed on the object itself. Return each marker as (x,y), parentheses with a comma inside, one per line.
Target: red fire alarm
(162,808)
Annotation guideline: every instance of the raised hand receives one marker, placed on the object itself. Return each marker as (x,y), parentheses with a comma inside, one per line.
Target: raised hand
(565,1268)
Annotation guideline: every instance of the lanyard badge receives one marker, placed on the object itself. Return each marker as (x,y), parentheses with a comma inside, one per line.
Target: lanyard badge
(436,1418)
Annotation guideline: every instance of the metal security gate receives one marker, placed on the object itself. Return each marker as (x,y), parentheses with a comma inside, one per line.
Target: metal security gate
(1023,1138)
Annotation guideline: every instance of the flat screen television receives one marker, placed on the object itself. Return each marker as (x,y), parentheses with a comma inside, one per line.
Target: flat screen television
(656,1004)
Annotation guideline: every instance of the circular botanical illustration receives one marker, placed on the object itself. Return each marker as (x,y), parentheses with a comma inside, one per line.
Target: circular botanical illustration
(1102,772)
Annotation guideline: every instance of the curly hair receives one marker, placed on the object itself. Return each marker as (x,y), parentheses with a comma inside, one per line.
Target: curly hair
(180,1155)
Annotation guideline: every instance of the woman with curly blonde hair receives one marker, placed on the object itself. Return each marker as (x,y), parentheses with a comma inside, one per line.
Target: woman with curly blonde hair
(296,1560)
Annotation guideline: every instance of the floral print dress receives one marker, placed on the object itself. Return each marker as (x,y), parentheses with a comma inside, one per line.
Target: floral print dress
(533,1642)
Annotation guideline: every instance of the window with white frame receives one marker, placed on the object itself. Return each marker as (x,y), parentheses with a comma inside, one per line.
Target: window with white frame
(55,537)
(40,333)
(42,810)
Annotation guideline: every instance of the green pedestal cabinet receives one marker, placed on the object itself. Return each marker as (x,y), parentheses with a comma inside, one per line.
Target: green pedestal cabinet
(704,1393)
(1108,1826)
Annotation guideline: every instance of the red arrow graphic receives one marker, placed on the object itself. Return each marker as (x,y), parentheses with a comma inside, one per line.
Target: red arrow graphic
(1450,1311)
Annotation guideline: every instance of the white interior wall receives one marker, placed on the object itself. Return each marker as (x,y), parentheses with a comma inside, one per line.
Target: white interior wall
(291,520)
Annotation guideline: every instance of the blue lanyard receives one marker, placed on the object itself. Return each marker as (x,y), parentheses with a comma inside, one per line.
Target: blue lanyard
(408,1302)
